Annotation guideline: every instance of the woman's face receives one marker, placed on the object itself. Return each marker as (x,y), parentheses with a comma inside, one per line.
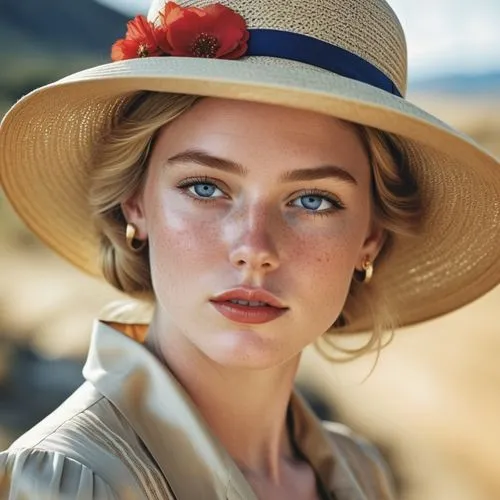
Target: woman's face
(246,194)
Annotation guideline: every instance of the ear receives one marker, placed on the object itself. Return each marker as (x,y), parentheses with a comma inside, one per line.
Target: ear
(133,211)
(372,245)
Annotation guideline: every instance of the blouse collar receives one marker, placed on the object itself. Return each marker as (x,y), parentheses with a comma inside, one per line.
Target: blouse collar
(172,429)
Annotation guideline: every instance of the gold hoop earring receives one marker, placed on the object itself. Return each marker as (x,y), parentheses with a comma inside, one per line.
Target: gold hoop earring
(367,267)
(130,238)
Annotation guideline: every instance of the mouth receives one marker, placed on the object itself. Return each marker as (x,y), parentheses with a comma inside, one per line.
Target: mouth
(249,305)
(249,297)
(243,311)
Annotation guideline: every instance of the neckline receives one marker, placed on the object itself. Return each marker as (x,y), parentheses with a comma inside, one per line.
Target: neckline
(165,418)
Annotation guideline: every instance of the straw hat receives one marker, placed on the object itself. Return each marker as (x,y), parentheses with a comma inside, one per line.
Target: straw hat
(346,58)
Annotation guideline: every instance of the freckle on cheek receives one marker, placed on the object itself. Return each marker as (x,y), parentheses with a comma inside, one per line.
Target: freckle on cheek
(183,243)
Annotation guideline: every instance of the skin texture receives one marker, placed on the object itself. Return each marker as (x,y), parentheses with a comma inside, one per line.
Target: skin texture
(258,231)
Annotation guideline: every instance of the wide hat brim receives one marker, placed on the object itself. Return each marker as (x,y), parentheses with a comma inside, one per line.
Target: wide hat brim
(47,141)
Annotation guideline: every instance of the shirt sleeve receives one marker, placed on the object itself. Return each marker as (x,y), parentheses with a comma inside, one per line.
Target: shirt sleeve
(36,474)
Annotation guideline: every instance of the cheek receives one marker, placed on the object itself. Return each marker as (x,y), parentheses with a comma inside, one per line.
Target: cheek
(325,269)
(323,266)
(182,245)
(331,249)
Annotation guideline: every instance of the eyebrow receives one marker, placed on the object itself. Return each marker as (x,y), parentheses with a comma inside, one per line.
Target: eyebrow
(304,174)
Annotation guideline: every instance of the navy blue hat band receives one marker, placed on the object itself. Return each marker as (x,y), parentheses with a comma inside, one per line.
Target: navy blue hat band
(303,48)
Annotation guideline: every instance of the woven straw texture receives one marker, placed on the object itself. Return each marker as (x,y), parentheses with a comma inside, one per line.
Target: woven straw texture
(46,147)
(368,28)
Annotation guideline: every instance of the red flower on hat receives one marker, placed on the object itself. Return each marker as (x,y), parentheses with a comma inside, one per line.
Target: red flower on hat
(142,39)
(214,31)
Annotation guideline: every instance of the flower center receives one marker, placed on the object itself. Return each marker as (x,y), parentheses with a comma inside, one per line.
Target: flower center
(205,45)
(142,50)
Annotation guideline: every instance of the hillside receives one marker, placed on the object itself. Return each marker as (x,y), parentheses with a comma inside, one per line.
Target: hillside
(46,40)
(58,27)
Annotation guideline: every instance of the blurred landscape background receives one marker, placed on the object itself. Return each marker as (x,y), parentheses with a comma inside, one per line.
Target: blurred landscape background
(432,403)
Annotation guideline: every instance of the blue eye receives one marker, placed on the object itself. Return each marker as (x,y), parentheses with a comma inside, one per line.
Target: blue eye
(311,202)
(204,190)
(201,189)
(318,203)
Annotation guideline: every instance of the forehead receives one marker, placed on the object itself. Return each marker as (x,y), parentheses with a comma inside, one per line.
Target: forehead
(254,132)
(232,115)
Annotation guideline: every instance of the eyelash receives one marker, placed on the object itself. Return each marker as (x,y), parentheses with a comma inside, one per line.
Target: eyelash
(192,181)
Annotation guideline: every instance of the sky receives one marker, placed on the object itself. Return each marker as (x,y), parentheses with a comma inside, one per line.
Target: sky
(443,36)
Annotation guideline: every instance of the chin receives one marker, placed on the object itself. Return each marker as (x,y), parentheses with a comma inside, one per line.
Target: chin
(246,349)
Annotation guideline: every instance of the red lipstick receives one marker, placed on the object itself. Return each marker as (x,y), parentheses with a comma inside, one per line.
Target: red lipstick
(258,305)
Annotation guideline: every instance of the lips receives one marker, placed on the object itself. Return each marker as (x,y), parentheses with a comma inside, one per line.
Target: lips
(249,305)
(250,295)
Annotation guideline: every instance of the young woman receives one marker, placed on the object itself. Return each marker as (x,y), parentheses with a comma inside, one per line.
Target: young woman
(251,171)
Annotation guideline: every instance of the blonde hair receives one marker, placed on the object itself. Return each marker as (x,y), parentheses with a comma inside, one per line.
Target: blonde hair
(118,173)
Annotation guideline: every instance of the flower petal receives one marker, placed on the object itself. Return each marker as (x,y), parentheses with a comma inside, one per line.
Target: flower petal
(173,12)
(229,28)
(162,42)
(229,41)
(138,28)
(239,51)
(183,32)
(124,49)
(211,31)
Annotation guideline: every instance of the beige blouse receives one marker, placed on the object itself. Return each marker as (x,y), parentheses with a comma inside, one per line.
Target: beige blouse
(132,432)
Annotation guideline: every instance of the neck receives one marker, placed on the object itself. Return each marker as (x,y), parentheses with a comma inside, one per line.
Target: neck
(245,409)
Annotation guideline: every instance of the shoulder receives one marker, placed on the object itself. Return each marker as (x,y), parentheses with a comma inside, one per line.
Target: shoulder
(39,474)
(85,449)
(361,459)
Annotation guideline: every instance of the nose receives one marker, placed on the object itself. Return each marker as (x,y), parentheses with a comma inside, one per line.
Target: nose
(253,244)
